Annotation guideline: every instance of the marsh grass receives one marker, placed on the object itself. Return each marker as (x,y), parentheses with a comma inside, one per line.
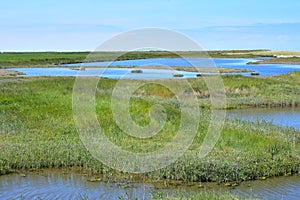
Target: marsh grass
(37,130)
(48,59)
(201,195)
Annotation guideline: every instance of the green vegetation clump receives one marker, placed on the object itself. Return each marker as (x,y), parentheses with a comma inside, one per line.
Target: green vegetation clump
(201,195)
(37,129)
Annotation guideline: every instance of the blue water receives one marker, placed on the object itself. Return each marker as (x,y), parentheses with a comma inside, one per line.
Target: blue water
(116,73)
(237,63)
(52,184)
(263,70)
(169,62)
(288,117)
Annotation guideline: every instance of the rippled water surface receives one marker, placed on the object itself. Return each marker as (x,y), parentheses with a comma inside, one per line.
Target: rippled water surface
(51,184)
(289,117)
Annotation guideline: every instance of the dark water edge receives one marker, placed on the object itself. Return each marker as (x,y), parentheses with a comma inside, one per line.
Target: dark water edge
(54,184)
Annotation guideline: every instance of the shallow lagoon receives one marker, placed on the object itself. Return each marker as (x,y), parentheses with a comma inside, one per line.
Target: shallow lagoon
(65,70)
(115,73)
(237,63)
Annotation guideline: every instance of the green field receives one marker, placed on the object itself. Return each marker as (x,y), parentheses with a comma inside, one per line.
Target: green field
(37,129)
(48,59)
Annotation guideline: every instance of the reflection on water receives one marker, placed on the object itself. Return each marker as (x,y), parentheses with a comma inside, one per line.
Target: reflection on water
(52,184)
(280,116)
(274,188)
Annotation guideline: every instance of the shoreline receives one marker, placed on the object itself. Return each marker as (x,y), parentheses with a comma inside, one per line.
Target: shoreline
(275,61)
(177,68)
(10,73)
(10,59)
(89,176)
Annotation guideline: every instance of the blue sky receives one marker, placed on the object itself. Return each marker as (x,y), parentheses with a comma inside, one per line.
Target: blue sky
(83,25)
